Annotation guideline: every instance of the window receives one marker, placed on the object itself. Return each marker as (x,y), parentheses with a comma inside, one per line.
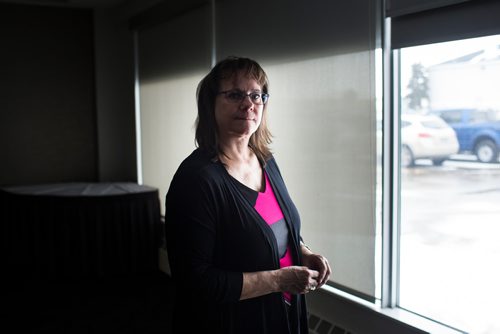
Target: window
(451,116)
(480,116)
(328,125)
(449,194)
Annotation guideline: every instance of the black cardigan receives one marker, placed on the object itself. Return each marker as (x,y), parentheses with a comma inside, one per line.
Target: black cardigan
(213,236)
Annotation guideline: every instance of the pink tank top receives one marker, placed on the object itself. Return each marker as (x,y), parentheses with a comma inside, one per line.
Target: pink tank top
(268,207)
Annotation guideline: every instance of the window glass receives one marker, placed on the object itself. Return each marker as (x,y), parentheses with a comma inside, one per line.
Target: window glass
(434,124)
(449,191)
(451,116)
(479,117)
(495,115)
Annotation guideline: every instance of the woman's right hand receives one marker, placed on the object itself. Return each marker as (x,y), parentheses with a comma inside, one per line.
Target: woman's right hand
(297,279)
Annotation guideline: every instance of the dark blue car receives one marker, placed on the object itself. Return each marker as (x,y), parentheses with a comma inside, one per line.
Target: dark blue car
(478,131)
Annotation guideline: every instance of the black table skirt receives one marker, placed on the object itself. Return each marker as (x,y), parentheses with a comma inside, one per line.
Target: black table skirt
(79,230)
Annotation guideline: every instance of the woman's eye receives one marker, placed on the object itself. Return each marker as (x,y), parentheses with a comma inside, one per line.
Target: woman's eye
(255,96)
(235,96)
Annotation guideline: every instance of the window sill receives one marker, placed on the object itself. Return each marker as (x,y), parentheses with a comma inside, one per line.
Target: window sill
(332,303)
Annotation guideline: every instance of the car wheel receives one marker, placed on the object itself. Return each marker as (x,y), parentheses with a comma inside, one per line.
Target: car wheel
(438,161)
(407,157)
(486,151)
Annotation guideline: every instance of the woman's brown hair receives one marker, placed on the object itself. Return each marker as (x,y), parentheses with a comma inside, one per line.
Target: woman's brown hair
(207,136)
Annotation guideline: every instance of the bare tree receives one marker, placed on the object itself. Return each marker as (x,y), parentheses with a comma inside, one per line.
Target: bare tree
(418,87)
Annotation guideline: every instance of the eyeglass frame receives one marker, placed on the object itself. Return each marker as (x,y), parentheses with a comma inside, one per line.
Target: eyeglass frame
(264,97)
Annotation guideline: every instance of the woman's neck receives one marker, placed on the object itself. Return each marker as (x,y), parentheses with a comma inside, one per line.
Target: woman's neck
(242,164)
(236,151)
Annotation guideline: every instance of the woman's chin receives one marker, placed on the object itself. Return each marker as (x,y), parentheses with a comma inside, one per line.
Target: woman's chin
(243,132)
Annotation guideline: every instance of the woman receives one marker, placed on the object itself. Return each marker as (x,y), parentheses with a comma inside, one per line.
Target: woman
(233,233)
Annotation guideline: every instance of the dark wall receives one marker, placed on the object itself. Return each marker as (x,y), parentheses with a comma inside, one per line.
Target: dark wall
(47,95)
(114,63)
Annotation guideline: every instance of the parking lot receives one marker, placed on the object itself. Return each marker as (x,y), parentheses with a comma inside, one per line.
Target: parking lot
(450,242)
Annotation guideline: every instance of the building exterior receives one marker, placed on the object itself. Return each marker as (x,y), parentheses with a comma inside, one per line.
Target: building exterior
(470,81)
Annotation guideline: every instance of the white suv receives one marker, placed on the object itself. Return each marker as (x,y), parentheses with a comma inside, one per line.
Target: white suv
(426,137)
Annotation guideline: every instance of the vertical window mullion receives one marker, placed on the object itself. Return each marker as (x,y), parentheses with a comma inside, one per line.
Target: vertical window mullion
(390,199)
(396,176)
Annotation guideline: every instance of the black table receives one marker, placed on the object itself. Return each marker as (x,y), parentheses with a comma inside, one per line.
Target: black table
(79,230)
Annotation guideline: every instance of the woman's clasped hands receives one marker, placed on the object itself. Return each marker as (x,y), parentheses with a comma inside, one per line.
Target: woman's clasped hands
(302,279)
(297,279)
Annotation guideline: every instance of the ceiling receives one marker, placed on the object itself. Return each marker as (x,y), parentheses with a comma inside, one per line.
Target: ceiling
(123,9)
(70,3)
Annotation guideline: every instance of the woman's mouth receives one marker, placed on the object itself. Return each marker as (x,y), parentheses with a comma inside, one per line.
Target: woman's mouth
(244,118)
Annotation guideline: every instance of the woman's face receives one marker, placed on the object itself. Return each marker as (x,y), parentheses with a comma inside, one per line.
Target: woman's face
(237,119)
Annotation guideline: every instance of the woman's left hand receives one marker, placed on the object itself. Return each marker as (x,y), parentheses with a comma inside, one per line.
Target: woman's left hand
(317,262)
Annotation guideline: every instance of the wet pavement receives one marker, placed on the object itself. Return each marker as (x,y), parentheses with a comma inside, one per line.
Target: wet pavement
(450,243)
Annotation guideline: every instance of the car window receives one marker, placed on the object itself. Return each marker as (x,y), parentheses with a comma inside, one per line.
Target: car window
(495,115)
(479,116)
(434,124)
(451,116)
(492,115)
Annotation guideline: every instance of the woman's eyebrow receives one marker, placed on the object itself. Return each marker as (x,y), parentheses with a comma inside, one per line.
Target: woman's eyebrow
(256,90)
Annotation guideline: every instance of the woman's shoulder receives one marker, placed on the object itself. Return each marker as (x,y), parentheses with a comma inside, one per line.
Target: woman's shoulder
(196,160)
(198,166)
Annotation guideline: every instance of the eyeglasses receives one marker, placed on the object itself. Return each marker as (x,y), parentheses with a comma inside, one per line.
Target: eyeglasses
(236,96)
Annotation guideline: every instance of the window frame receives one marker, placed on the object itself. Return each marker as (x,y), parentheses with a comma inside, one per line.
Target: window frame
(391,189)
